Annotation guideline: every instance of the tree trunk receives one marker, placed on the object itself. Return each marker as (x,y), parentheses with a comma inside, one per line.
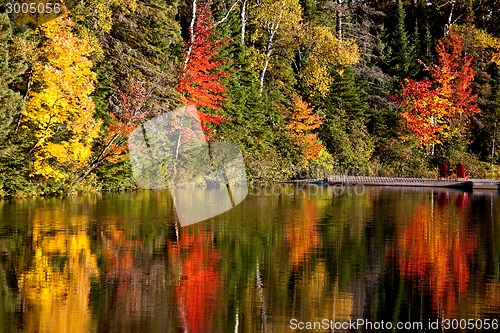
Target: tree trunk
(339,19)
(269,50)
(448,24)
(191,34)
(243,21)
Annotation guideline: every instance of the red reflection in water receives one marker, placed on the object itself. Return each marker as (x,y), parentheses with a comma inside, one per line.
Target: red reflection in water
(120,268)
(435,249)
(198,287)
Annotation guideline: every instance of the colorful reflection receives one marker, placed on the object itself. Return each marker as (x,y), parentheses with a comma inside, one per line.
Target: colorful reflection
(121,270)
(301,233)
(198,288)
(55,286)
(323,298)
(436,248)
(75,268)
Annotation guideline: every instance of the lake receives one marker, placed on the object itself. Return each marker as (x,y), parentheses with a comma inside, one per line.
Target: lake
(287,257)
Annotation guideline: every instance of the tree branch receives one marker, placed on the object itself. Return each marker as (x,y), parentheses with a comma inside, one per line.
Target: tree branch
(222,20)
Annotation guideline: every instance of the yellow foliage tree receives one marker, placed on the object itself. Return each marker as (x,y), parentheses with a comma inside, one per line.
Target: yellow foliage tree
(280,31)
(277,25)
(59,109)
(479,44)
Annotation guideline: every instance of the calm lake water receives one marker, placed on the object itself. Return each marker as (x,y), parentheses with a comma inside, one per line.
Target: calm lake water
(282,258)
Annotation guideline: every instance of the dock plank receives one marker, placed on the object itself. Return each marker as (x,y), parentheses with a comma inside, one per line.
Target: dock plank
(411,182)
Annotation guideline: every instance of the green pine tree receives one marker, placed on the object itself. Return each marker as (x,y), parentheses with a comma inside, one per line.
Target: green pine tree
(400,53)
(254,123)
(344,132)
(11,102)
(424,43)
(11,105)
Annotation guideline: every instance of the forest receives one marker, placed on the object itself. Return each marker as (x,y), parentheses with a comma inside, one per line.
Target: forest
(305,88)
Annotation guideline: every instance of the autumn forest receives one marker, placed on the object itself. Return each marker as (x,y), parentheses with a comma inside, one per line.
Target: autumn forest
(305,88)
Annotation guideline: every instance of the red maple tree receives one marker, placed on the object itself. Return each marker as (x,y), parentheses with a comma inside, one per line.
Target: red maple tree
(454,76)
(200,82)
(441,107)
(424,110)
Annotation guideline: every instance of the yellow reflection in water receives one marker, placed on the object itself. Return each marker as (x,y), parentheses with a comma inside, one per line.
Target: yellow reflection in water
(324,299)
(316,299)
(484,301)
(56,285)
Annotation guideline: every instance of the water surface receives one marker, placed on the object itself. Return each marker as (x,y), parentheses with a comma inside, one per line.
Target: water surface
(120,263)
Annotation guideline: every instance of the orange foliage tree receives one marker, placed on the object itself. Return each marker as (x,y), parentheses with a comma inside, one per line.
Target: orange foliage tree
(302,121)
(200,82)
(441,107)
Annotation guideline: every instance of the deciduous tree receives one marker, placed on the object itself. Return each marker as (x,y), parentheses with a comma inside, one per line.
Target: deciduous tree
(321,53)
(277,24)
(200,83)
(59,110)
(130,110)
(440,108)
(302,122)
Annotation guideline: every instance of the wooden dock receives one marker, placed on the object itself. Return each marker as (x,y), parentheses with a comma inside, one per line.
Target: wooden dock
(478,184)
(313,181)
(484,184)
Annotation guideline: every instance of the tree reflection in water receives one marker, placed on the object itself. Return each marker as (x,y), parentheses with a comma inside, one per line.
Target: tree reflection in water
(301,233)
(111,265)
(121,270)
(56,285)
(198,285)
(435,250)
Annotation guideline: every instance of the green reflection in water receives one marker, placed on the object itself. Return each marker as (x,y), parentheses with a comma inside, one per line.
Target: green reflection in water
(121,263)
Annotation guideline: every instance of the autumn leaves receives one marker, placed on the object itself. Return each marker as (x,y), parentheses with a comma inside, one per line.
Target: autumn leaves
(439,108)
(279,37)
(293,60)
(59,108)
